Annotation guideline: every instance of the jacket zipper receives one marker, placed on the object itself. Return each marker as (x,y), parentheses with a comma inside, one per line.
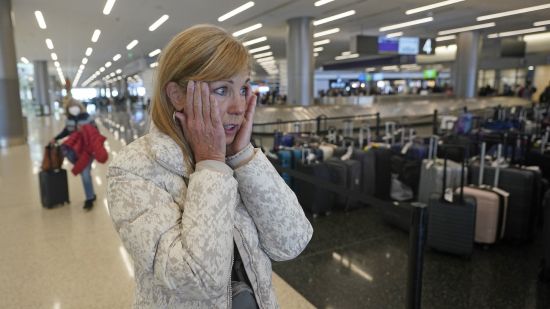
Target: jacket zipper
(253,270)
(229,292)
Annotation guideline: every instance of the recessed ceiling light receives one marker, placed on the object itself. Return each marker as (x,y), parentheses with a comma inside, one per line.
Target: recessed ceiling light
(154,65)
(108,64)
(56,63)
(40,19)
(116,57)
(326,32)
(81,67)
(96,34)
(468,28)
(89,51)
(24,60)
(318,49)
(259,49)
(432,6)
(84,60)
(118,71)
(351,56)
(315,54)
(49,43)
(333,18)
(514,12)
(258,40)
(236,11)
(321,42)
(102,69)
(154,53)
(266,59)
(247,30)
(159,22)
(132,44)
(322,2)
(108,7)
(54,56)
(406,24)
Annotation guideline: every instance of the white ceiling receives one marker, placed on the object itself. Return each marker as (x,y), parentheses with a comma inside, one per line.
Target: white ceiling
(70,24)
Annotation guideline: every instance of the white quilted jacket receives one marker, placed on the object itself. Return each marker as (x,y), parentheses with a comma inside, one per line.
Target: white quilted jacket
(181,236)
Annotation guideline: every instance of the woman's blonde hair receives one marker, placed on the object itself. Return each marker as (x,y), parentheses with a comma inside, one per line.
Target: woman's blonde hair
(199,53)
(69,101)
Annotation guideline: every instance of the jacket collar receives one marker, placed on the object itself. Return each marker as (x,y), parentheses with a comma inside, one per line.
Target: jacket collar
(167,152)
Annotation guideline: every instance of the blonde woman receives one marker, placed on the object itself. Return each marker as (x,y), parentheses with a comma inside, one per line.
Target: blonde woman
(201,212)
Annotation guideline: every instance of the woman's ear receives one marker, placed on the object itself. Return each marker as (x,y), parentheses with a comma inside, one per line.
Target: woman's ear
(175,94)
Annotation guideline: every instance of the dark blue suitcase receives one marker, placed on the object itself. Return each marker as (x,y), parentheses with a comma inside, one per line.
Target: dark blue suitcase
(285,159)
(451,225)
(313,199)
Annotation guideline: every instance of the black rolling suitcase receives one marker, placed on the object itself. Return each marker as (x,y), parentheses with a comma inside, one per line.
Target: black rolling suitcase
(545,271)
(451,224)
(382,172)
(345,173)
(54,189)
(312,198)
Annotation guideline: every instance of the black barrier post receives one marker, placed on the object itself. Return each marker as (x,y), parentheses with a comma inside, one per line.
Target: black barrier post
(377,125)
(417,239)
(434,124)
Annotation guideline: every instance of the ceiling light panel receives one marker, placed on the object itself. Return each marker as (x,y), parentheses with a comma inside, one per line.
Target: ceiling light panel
(445,38)
(259,49)
(54,56)
(117,57)
(236,11)
(541,23)
(258,40)
(514,12)
(49,43)
(333,18)
(432,6)
(132,44)
(154,53)
(406,24)
(321,42)
(96,35)
(318,49)
(247,30)
(326,32)
(263,55)
(516,32)
(159,22)
(89,51)
(394,35)
(40,19)
(322,2)
(464,29)
(24,60)
(108,7)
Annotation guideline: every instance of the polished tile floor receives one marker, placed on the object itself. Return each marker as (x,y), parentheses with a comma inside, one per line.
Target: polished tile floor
(70,258)
(67,257)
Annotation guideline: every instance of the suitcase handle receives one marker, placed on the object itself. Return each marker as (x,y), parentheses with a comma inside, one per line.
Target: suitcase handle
(445,147)
(481,164)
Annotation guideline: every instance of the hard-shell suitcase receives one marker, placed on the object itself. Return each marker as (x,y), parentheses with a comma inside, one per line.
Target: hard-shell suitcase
(54,189)
(368,168)
(285,159)
(451,224)
(431,173)
(382,172)
(522,186)
(490,207)
(312,198)
(345,173)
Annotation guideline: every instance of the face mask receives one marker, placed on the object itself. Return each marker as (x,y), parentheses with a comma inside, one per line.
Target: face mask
(74,110)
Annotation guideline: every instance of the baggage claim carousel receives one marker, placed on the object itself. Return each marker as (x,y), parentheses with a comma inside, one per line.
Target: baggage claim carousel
(410,112)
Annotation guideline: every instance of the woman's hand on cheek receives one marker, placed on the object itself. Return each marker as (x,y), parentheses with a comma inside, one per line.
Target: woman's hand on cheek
(201,123)
(242,139)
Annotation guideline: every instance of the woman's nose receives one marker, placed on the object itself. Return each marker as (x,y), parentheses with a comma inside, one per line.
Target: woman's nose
(237,106)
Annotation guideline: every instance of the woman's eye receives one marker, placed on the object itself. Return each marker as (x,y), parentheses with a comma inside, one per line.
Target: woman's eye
(220,91)
(244,90)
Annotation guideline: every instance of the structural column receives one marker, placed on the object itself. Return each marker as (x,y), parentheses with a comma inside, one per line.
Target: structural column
(41,86)
(12,130)
(467,55)
(299,53)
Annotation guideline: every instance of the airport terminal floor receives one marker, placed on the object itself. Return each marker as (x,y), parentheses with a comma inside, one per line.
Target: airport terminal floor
(67,257)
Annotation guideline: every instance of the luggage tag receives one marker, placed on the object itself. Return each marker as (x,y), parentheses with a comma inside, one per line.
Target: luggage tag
(449,196)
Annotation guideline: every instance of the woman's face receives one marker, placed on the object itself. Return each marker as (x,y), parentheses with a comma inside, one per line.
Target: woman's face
(231,95)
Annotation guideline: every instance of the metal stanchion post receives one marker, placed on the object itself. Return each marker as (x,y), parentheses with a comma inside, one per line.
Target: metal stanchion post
(434,128)
(417,239)
(377,125)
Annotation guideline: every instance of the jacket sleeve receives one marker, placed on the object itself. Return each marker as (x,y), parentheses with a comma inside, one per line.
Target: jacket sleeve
(62,134)
(188,252)
(283,228)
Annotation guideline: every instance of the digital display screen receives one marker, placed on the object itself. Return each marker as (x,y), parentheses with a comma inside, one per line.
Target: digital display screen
(430,74)
(408,46)
(388,45)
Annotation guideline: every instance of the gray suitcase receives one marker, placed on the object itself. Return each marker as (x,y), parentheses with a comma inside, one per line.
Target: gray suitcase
(431,173)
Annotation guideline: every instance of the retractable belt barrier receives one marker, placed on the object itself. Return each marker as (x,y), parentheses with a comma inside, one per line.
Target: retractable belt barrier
(417,234)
